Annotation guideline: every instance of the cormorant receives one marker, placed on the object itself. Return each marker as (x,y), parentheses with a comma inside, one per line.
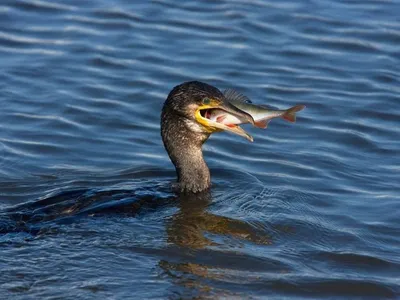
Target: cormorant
(184,129)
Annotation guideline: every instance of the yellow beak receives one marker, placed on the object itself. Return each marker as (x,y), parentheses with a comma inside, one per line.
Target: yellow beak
(213,126)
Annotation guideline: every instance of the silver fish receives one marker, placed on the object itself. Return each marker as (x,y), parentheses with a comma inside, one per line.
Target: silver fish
(262,115)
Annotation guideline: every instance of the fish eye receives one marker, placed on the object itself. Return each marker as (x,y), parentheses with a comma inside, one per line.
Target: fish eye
(206,101)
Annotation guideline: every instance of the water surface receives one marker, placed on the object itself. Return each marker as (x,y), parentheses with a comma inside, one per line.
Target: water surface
(308,210)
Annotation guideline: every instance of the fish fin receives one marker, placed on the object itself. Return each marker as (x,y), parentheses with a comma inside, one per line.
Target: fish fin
(231,94)
(221,118)
(262,123)
(290,114)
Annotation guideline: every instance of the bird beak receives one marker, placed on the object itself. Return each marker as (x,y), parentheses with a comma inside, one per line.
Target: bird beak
(227,109)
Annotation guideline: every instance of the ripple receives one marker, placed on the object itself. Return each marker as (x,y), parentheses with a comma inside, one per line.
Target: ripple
(2,153)
(309,209)
(361,261)
(327,287)
(43,6)
(31,51)
(28,40)
(116,13)
(83,30)
(104,24)
(46,117)
(324,20)
(111,63)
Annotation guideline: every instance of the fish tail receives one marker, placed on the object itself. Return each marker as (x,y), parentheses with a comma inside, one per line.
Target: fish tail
(290,114)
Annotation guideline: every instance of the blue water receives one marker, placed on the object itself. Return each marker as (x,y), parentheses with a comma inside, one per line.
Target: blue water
(309,210)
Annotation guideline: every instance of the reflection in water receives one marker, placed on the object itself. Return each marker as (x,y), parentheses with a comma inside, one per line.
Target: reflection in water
(188,228)
(191,228)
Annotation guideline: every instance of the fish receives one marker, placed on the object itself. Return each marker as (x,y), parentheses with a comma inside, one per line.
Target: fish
(261,114)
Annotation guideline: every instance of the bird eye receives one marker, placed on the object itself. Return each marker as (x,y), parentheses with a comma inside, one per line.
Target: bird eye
(206,101)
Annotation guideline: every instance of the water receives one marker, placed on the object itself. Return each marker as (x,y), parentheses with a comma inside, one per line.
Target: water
(308,210)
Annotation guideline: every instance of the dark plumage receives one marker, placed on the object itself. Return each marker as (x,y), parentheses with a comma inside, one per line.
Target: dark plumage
(183,137)
(184,130)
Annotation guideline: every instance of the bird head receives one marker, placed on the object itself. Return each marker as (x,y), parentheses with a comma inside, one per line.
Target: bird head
(194,101)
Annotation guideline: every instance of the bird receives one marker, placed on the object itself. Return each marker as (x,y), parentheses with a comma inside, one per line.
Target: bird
(185,128)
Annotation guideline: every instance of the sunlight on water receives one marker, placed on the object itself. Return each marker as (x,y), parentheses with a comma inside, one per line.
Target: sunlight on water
(308,210)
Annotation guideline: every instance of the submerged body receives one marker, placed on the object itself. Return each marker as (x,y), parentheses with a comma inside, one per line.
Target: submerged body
(262,115)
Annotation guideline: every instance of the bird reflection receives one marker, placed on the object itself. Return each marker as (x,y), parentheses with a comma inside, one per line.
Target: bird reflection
(191,229)
(199,235)
(190,225)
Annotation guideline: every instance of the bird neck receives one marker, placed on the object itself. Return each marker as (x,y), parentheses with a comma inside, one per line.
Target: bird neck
(184,148)
(192,170)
